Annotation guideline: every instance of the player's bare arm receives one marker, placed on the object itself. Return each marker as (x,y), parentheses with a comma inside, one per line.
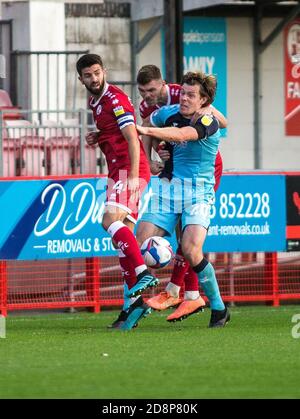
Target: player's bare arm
(131,136)
(149,143)
(220,117)
(170,134)
(210,110)
(207,127)
(162,152)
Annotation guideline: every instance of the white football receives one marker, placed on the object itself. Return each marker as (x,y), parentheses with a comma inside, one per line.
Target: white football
(157,252)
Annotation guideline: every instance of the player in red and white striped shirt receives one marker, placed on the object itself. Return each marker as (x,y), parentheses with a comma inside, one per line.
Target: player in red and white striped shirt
(128,175)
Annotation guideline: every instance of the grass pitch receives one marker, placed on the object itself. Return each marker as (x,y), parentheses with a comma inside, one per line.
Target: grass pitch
(75,356)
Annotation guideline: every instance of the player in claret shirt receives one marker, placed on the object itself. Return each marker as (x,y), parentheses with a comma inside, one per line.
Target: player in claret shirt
(128,175)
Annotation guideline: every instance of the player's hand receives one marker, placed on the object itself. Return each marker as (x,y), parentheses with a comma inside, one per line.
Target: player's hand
(163,154)
(92,138)
(142,130)
(156,167)
(134,188)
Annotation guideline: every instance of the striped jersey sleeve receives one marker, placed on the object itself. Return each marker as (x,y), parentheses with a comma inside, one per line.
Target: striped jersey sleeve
(124,112)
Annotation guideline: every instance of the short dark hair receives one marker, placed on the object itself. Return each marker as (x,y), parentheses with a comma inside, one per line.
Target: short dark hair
(148,73)
(88,60)
(206,82)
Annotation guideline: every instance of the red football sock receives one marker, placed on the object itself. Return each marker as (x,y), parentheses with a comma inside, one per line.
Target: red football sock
(126,242)
(181,266)
(191,280)
(128,271)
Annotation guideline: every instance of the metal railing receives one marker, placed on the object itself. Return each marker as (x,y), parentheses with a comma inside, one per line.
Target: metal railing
(41,79)
(48,80)
(50,142)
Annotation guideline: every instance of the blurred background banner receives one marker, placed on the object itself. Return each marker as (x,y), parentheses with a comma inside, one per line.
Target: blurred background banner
(292,78)
(205,49)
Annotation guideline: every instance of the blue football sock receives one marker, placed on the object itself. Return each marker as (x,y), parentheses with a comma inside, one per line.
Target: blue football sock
(208,282)
(127,300)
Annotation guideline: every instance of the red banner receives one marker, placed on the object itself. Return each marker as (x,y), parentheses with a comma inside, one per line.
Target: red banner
(292,78)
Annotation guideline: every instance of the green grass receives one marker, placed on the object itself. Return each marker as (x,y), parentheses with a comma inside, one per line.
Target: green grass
(61,356)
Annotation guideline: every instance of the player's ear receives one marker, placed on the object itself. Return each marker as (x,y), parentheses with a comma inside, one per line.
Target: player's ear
(80,79)
(204,101)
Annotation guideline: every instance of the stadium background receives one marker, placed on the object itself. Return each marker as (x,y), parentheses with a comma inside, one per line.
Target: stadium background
(45,136)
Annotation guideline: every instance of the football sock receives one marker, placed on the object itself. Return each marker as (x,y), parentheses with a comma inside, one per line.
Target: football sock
(191,295)
(191,281)
(126,242)
(128,271)
(181,266)
(129,277)
(208,282)
(127,301)
(173,290)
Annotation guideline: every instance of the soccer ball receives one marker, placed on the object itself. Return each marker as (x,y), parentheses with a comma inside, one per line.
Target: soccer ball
(157,252)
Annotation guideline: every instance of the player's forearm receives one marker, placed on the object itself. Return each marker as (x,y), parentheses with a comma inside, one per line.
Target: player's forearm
(170,134)
(131,136)
(134,156)
(220,117)
(147,143)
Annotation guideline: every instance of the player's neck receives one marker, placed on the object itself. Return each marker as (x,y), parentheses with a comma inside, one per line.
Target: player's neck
(103,90)
(187,116)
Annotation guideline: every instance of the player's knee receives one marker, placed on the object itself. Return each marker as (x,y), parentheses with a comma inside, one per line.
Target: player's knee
(106,221)
(191,252)
(146,230)
(141,234)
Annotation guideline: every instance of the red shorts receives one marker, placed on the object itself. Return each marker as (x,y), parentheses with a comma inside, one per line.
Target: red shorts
(118,195)
(218,170)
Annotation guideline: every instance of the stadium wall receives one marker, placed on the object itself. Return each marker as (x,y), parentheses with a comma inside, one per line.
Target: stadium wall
(38,26)
(104,31)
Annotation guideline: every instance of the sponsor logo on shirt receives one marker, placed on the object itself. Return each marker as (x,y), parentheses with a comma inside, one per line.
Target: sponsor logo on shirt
(119,110)
(99,110)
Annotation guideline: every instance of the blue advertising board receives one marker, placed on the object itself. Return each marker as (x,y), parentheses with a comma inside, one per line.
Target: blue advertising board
(50,219)
(249,215)
(47,219)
